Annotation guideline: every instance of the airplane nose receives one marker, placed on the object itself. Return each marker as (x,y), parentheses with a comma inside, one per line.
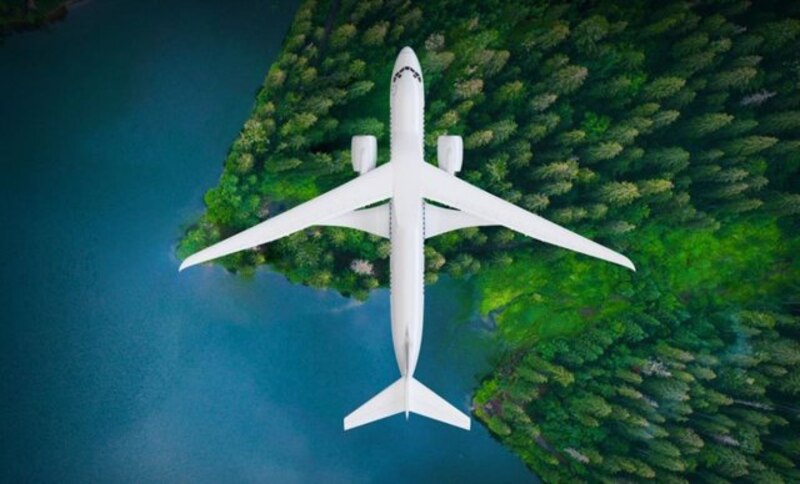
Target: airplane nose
(406,58)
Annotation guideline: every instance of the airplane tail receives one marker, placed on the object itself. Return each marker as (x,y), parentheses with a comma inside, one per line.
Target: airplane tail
(406,395)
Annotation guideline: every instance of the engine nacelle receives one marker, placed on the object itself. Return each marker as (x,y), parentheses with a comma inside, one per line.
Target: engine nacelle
(450,153)
(364,152)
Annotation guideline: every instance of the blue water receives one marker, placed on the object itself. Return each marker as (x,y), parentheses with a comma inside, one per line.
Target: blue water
(116,368)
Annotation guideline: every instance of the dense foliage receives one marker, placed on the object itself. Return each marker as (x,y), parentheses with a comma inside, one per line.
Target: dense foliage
(688,371)
(669,131)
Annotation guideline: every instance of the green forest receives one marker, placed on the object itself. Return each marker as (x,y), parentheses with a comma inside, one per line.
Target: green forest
(668,131)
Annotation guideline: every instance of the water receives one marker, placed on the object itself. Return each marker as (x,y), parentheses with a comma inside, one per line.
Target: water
(115,367)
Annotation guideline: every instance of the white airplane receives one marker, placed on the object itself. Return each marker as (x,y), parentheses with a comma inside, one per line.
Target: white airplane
(407,219)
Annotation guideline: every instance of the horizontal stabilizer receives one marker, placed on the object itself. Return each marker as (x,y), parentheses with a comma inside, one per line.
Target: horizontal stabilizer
(424,402)
(407,395)
(385,404)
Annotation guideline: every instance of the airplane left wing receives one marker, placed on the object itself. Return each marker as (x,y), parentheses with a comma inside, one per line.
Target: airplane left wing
(449,190)
(367,189)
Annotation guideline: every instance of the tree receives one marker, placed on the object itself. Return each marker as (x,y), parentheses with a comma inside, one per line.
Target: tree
(478,139)
(275,77)
(468,88)
(511,92)
(245,163)
(781,122)
(369,126)
(297,124)
(374,35)
(502,130)
(253,138)
(663,87)
(736,79)
(707,123)
(568,79)
(359,89)
(589,32)
(785,204)
(342,35)
(749,145)
(619,193)
(547,36)
(543,101)
(434,42)
(672,159)
(560,170)
(436,62)
(653,187)
(603,151)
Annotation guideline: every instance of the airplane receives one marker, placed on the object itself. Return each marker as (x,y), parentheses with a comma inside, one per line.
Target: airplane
(406,184)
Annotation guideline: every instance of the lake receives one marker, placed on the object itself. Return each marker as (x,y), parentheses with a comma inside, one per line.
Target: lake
(116,368)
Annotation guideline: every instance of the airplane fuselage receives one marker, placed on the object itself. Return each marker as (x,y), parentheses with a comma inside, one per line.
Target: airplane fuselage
(407,260)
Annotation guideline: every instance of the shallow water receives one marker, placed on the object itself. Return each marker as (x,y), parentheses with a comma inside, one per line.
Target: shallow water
(115,367)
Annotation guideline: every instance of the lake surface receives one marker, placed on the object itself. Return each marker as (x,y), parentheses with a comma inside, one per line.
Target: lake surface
(116,368)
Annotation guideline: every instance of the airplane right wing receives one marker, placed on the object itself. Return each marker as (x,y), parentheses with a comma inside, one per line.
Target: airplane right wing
(449,190)
(367,189)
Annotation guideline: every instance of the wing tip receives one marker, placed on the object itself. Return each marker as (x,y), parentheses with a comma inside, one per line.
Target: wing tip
(350,424)
(188,262)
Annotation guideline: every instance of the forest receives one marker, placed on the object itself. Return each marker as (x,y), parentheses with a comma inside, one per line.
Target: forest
(668,131)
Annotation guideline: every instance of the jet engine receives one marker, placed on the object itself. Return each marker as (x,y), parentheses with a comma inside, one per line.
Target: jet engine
(364,152)
(450,153)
